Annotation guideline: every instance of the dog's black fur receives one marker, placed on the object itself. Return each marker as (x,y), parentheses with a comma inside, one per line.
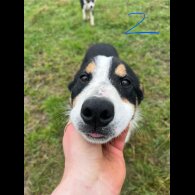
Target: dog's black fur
(99,49)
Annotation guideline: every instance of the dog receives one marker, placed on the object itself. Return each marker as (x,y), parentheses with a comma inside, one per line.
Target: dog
(105,95)
(88,10)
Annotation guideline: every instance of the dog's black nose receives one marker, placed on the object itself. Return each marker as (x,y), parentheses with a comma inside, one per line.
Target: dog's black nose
(97,112)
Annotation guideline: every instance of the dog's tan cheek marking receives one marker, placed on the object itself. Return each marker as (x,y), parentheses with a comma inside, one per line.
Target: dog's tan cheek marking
(127,102)
(121,70)
(74,102)
(90,68)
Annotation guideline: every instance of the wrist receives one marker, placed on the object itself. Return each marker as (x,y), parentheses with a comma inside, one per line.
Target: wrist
(81,186)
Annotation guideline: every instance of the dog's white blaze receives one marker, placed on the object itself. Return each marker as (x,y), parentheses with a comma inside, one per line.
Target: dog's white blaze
(101,73)
(101,86)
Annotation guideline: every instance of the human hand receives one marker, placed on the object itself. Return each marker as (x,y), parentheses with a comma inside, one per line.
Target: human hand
(91,168)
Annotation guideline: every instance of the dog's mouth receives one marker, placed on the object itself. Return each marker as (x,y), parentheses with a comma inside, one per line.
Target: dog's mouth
(96,135)
(97,138)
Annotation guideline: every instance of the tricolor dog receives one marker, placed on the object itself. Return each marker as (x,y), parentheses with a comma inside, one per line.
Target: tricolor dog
(88,10)
(105,95)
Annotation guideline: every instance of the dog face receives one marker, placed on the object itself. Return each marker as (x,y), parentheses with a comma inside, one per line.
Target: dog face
(90,4)
(104,94)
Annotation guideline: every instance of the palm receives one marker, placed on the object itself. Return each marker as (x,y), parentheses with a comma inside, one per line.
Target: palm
(103,162)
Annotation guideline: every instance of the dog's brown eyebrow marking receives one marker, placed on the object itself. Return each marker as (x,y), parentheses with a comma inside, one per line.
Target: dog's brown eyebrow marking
(90,68)
(121,70)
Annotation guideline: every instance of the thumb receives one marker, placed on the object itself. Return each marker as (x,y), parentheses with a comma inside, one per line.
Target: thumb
(119,142)
(75,146)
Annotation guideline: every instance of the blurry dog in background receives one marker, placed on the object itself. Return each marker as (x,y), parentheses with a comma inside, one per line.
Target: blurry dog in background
(88,10)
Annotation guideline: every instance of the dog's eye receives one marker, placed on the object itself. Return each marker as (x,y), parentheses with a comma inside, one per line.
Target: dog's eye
(125,82)
(84,77)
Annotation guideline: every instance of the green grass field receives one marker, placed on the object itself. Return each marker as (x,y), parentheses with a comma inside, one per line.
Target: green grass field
(56,39)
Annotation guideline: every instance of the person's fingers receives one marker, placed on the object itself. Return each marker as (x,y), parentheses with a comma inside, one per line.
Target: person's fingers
(68,130)
(76,146)
(119,142)
(72,138)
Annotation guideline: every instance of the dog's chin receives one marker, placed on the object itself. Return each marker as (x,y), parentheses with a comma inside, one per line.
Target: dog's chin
(96,139)
(97,136)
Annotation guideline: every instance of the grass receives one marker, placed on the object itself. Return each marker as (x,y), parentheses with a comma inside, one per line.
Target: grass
(55,41)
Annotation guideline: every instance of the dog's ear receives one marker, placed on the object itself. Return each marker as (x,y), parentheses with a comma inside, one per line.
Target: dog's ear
(140,93)
(138,89)
(72,83)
